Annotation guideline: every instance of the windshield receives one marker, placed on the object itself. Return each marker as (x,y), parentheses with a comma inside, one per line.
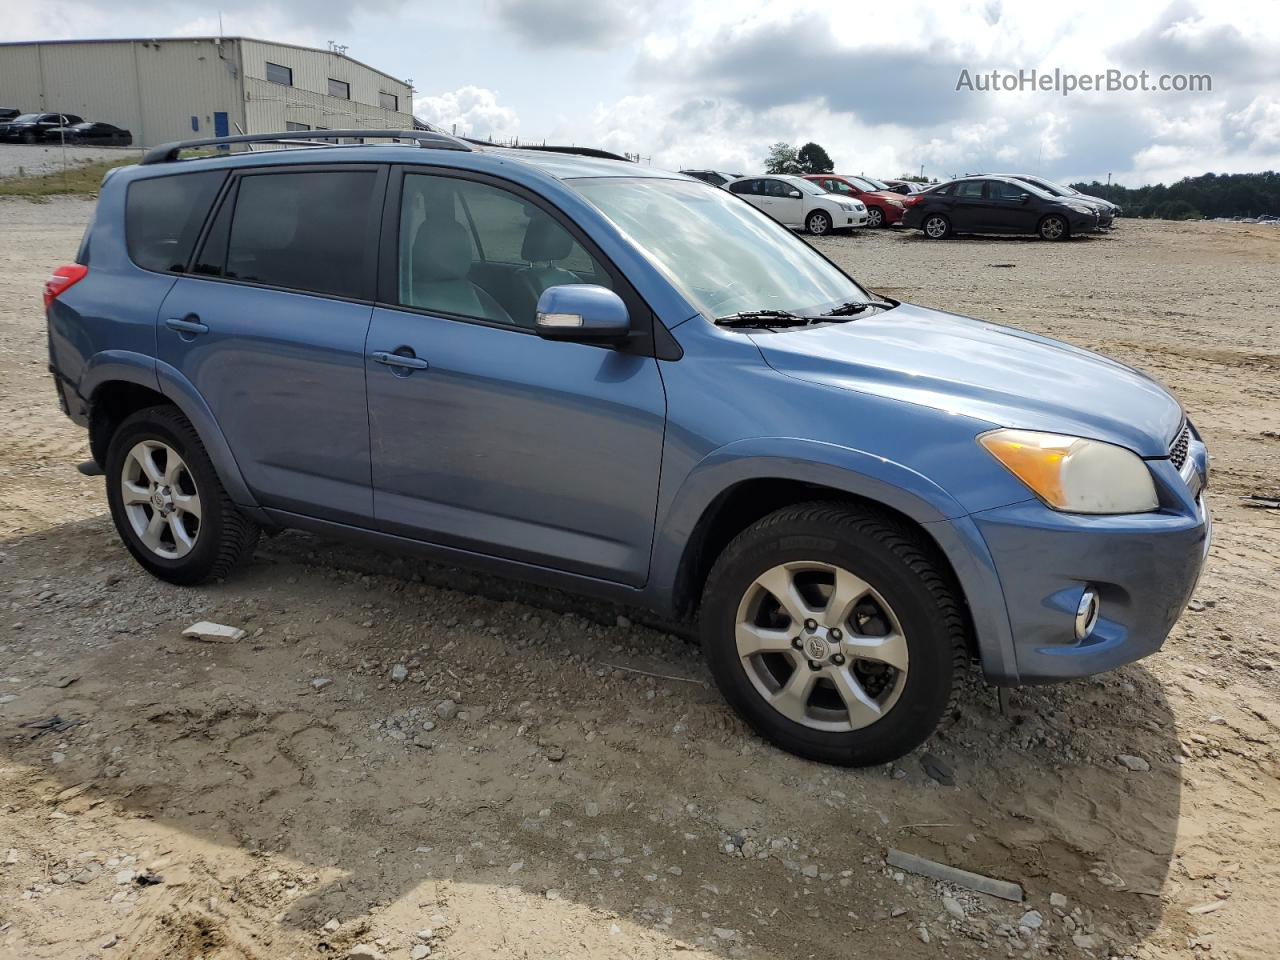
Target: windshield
(808,186)
(862,184)
(1048,186)
(879,184)
(26,118)
(720,252)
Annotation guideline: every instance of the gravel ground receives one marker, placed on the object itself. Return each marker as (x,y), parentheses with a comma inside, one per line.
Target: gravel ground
(19,159)
(401,758)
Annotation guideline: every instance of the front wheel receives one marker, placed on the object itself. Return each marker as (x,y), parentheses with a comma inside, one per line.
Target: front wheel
(28,137)
(1054,227)
(875,217)
(834,634)
(167,503)
(819,223)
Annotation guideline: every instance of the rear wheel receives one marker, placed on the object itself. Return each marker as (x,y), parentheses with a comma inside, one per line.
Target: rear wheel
(936,226)
(167,503)
(818,223)
(1054,227)
(833,633)
(875,217)
(29,137)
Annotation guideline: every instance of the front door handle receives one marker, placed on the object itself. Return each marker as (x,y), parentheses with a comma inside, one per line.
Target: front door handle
(190,325)
(409,362)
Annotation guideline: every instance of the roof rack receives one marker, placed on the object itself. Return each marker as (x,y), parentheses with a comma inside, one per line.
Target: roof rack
(168,152)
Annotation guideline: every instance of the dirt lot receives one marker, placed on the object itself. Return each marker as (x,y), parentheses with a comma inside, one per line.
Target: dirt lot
(529,789)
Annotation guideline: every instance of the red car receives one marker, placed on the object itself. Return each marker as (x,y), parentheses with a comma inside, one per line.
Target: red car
(884,207)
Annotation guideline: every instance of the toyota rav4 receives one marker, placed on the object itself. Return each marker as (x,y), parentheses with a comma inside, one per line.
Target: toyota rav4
(628,383)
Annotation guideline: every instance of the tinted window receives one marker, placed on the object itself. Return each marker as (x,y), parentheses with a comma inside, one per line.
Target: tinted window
(163,216)
(741,186)
(305,231)
(942,191)
(776,188)
(1002,190)
(279,74)
(969,188)
(478,251)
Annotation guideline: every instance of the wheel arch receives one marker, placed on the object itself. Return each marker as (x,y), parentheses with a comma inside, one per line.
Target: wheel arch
(739,483)
(126,389)
(1066,223)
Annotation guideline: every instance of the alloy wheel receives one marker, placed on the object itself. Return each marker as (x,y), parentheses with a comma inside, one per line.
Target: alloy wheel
(819,224)
(1052,228)
(935,227)
(160,499)
(874,217)
(821,646)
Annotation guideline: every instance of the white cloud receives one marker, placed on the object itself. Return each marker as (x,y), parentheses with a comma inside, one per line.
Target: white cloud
(472,111)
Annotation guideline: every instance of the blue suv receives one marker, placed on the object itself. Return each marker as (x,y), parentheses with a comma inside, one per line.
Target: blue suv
(624,382)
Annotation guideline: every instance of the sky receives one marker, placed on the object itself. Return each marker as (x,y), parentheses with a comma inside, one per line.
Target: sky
(689,83)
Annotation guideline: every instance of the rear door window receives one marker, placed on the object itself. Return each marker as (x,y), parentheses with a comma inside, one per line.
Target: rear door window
(969,189)
(163,217)
(302,230)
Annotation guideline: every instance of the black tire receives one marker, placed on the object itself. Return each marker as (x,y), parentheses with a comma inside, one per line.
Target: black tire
(29,137)
(819,223)
(941,228)
(898,564)
(875,217)
(1054,227)
(225,535)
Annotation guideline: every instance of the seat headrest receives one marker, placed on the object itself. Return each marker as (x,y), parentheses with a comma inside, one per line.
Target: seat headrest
(441,251)
(544,240)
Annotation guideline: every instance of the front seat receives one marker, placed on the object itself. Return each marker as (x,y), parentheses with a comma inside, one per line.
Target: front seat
(441,259)
(545,243)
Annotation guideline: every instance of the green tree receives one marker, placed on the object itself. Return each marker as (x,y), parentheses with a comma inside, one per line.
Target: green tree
(813,159)
(782,159)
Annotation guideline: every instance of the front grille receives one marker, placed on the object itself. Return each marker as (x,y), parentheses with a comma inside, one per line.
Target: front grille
(1178,449)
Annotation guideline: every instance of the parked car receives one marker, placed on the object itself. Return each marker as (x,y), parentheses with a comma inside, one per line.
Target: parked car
(997,205)
(8,113)
(884,207)
(1107,211)
(30,127)
(614,380)
(717,178)
(906,187)
(797,203)
(100,134)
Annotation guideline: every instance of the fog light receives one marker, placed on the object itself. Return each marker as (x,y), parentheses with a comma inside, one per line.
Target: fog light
(1087,613)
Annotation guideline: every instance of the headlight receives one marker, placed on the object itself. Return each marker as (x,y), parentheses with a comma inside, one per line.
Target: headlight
(894,203)
(1073,474)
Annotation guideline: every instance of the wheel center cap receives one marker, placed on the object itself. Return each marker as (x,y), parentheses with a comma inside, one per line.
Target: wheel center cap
(161,500)
(816,648)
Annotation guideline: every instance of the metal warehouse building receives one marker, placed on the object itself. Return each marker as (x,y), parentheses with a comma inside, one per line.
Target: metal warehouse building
(177,89)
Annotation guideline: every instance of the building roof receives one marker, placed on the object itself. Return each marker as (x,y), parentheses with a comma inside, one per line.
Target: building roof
(277,43)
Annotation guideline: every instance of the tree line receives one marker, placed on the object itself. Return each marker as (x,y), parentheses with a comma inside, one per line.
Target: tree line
(1208,195)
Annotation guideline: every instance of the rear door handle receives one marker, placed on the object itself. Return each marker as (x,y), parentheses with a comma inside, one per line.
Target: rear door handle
(191,325)
(399,360)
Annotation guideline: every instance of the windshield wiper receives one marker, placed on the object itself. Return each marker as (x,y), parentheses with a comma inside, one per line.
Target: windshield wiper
(857,306)
(763,318)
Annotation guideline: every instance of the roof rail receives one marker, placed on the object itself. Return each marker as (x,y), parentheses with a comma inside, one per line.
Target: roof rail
(168,152)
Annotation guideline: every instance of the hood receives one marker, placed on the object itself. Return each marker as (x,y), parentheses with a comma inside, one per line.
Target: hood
(982,370)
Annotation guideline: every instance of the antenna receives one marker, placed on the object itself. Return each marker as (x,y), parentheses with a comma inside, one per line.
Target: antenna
(219,24)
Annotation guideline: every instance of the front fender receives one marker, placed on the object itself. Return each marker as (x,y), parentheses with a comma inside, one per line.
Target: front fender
(786,458)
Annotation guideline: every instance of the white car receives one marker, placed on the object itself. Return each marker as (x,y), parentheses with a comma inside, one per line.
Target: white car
(797,203)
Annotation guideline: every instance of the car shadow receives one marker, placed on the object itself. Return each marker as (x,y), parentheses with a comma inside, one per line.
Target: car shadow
(582,762)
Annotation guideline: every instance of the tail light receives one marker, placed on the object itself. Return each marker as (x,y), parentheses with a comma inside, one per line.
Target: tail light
(912,200)
(63,278)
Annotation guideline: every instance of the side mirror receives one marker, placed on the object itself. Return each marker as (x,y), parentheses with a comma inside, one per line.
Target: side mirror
(795,194)
(1024,198)
(582,311)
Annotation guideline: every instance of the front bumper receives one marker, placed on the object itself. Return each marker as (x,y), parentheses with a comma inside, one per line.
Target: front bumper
(1143,566)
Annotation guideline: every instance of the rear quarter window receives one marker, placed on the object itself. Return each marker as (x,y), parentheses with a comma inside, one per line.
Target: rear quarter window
(163,217)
